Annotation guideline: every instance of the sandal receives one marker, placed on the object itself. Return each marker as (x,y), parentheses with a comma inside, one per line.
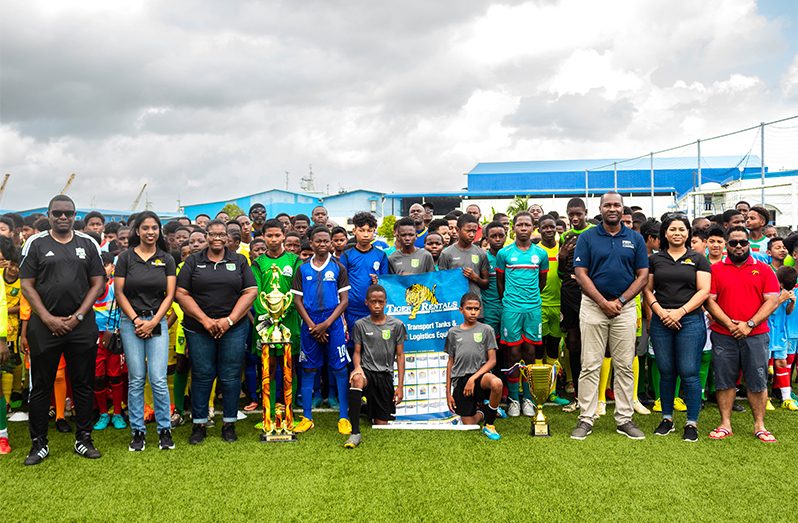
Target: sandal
(720,433)
(765,436)
(251,407)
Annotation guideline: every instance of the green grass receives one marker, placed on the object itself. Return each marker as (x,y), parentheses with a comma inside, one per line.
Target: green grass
(415,475)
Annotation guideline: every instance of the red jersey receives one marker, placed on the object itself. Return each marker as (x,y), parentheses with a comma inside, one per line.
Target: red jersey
(741,291)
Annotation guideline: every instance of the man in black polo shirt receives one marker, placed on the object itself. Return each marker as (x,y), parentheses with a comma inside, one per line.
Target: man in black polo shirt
(611,267)
(61,277)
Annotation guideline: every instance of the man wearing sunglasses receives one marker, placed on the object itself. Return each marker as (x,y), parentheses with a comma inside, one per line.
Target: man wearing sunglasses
(743,293)
(61,277)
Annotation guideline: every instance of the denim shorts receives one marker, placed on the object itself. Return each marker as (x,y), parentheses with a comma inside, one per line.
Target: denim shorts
(750,354)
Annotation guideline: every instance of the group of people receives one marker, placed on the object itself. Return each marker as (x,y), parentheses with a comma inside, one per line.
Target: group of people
(101,316)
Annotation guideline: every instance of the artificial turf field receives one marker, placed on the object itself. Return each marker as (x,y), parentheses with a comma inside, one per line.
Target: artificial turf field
(415,475)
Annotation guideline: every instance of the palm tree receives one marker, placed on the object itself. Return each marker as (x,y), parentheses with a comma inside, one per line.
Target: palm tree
(519,203)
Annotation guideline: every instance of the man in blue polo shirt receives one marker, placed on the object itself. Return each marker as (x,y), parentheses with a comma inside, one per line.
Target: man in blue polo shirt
(611,267)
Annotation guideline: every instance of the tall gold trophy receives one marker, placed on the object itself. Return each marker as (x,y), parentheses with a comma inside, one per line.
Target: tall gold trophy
(273,333)
(541,379)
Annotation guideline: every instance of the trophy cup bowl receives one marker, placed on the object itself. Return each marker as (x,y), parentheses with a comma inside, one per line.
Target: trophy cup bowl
(541,379)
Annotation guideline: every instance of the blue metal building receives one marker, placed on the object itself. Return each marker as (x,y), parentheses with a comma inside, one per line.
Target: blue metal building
(276,201)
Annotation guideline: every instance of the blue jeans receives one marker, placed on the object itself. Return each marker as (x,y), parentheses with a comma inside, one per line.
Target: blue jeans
(212,358)
(146,357)
(678,352)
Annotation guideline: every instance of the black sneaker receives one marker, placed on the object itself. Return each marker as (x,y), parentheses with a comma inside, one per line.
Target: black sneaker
(229,432)
(165,441)
(84,446)
(38,451)
(137,444)
(665,427)
(690,434)
(63,426)
(198,434)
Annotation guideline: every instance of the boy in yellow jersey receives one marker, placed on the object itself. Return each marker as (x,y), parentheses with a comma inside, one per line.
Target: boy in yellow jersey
(9,252)
(18,307)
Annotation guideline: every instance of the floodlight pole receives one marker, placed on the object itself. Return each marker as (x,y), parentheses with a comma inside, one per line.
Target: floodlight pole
(762,162)
(587,190)
(700,181)
(651,163)
(615,176)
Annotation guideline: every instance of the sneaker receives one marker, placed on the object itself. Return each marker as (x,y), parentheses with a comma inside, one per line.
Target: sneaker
(137,444)
(736,407)
(513,408)
(353,441)
(176,420)
(789,404)
(640,408)
(571,407)
(38,451)
(583,429)
(229,432)
(165,441)
(84,446)
(769,406)
(5,448)
(304,425)
(63,426)
(528,408)
(500,413)
(679,405)
(198,434)
(344,427)
(118,421)
(18,416)
(601,408)
(793,395)
(241,415)
(630,430)
(665,427)
(557,400)
(333,403)
(490,432)
(690,434)
(103,422)
(317,401)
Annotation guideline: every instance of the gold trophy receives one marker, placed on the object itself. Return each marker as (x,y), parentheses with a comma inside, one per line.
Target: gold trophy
(541,379)
(273,333)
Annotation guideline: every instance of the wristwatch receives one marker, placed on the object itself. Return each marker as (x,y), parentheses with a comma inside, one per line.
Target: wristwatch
(229,321)
(622,300)
(750,324)
(79,316)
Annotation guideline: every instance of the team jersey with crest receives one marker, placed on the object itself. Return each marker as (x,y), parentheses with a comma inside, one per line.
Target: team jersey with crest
(469,348)
(521,269)
(378,342)
(490,296)
(288,264)
(14,297)
(550,297)
(359,267)
(320,287)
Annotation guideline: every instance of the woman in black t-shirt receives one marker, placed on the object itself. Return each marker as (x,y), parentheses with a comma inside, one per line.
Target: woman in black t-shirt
(144,285)
(215,289)
(678,284)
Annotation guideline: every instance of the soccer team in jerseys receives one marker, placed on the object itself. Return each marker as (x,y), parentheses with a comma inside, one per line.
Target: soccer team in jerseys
(522,304)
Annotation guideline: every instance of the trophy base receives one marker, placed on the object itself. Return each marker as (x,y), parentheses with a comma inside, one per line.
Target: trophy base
(274,437)
(540,430)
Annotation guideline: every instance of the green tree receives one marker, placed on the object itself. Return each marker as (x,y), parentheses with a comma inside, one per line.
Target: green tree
(519,203)
(232,210)
(386,229)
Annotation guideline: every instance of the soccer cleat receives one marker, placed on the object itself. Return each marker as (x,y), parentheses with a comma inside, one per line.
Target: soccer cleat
(657,406)
(103,422)
(490,432)
(333,403)
(571,407)
(528,408)
(344,427)
(601,409)
(665,427)
(165,441)
(640,408)
(554,398)
(63,426)
(513,408)
(38,451)
(137,444)
(769,406)
(679,405)
(118,421)
(304,425)
(500,413)
(789,404)
(198,434)
(582,430)
(5,448)
(229,432)
(353,441)
(317,401)
(84,446)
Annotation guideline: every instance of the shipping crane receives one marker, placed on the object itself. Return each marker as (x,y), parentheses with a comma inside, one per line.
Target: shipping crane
(68,183)
(3,185)
(135,204)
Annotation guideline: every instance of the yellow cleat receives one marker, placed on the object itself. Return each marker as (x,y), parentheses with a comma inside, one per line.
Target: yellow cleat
(657,406)
(679,404)
(344,427)
(789,404)
(770,406)
(304,425)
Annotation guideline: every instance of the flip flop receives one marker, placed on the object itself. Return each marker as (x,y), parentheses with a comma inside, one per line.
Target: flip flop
(720,433)
(765,436)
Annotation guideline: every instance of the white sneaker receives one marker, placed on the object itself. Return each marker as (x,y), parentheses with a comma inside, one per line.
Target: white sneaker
(640,408)
(513,408)
(601,408)
(241,415)
(571,407)
(528,408)
(18,416)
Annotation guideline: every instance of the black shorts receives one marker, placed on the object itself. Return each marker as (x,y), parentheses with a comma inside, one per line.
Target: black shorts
(467,405)
(570,304)
(379,395)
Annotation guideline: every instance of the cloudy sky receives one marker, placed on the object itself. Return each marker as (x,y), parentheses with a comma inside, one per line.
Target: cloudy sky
(210,100)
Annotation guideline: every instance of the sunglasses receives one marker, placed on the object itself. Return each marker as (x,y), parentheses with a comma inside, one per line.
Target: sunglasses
(59,214)
(735,243)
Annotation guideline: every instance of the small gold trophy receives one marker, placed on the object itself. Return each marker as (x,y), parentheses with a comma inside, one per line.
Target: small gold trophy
(541,379)
(273,333)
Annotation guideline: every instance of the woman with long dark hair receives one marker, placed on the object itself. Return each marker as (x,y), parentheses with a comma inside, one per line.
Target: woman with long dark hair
(678,285)
(145,281)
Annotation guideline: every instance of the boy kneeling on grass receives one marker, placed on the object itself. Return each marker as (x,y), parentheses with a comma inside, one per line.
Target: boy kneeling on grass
(472,354)
(379,341)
